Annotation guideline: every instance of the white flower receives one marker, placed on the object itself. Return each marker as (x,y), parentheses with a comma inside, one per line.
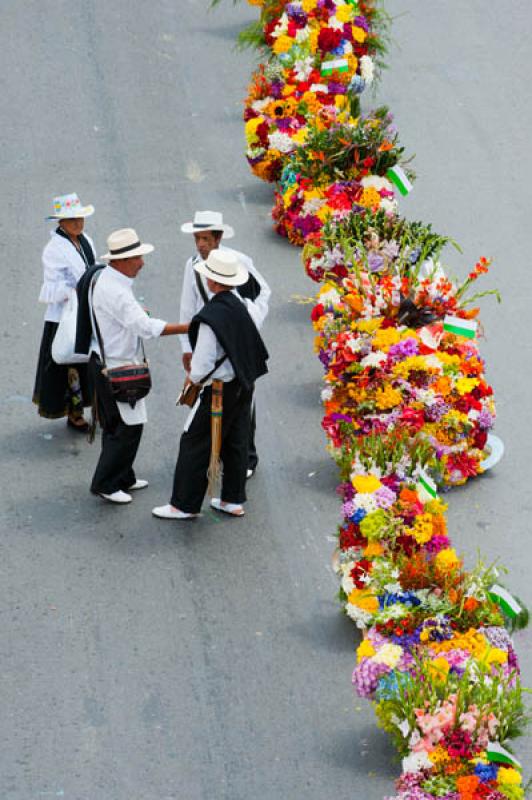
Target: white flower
(376,182)
(282,26)
(415,762)
(312,205)
(282,142)
(366,69)
(365,502)
(335,24)
(348,584)
(355,344)
(330,298)
(326,394)
(302,34)
(361,618)
(303,68)
(260,105)
(373,359)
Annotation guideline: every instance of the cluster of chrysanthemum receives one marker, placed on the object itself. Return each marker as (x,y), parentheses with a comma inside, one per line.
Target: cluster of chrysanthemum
(320,63)
(389,363)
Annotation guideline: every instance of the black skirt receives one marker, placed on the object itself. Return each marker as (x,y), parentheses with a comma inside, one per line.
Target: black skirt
(53,393)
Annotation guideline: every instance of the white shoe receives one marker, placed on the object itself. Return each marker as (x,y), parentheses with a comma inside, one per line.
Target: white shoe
(233,509)
(169,512)
(249,473)
(140,483)
(117,497)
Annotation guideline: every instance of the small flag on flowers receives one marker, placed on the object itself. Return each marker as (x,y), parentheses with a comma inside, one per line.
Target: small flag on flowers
(426,488)
(337,64)
(460,327)
(400,180)
(499,755)
(506,602)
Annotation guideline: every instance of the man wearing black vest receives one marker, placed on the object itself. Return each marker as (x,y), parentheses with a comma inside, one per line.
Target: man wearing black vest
(208,228)
(228,348)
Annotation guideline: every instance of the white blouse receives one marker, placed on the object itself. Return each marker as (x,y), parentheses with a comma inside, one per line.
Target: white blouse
(63,266)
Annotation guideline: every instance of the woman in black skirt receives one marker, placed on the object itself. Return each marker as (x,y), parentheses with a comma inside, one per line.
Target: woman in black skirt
(62,390)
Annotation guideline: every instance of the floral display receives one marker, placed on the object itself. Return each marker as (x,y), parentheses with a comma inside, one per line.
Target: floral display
(322,58)
(337,171)
(407,407)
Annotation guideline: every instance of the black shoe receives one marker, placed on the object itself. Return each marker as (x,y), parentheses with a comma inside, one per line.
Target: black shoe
(82,428)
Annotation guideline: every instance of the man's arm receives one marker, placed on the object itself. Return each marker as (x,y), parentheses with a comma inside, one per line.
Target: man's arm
(258,308)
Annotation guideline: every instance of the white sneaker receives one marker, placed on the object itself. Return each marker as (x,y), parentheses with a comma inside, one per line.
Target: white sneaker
(249,473)
(117,497)
(233,509)
(140,483)
(169,512)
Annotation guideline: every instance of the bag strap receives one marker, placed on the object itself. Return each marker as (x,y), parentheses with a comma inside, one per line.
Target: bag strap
(201,287)
(218,363)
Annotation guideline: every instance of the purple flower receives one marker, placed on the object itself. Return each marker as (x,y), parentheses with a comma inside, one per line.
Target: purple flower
(307,225)
(336,88)
(404,349)
(384,497)
(361,22)
(375,262)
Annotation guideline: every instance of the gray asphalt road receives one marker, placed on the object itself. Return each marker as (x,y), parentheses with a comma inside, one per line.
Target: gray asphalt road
(143,660)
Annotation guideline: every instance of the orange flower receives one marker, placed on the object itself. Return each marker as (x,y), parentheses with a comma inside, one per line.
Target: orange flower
(385,146)
(467,784)
(408,496)
(471,604)
(439,525)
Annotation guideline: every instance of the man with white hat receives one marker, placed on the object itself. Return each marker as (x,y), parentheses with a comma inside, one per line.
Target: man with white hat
(123,324)
(228,356)
(208,228)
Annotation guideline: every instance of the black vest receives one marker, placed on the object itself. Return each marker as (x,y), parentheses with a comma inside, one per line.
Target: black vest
(237,334)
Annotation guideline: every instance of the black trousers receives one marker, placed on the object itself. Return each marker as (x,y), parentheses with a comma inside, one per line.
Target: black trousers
(253,458)
(190,477)
(120,442)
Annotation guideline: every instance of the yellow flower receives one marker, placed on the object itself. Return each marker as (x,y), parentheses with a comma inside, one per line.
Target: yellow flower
(447,560)
(359,34)
(301,136)
(352,66)
(368,325)
(439,669)
(309,5)
(494,655)
(422,530)
(439,756)
(365,650)
(466,385)
(282,44)
(323,212)
(366,484)
(373,549)
(436,507)
(385,338)
(387,398)
(509,775)
(313,41)
(344,13)
(370,198)
(413,363)
(364,600)
(251,129)
(389,654)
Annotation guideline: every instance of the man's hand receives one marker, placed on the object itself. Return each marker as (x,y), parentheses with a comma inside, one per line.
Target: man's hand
(187,358)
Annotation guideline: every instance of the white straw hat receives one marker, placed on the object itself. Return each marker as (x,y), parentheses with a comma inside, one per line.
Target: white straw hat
(125,243)
(208,221)
(68,206)
(223,267)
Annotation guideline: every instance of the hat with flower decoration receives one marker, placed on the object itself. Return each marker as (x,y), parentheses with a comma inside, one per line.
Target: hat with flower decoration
(68,206)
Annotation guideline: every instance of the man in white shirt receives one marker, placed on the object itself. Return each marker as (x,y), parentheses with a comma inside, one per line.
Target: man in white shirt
(208,228)
(227,350)
(122,324)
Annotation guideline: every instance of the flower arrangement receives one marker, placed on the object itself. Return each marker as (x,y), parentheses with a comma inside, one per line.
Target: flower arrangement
(338,171)
(407,406)
(321,61)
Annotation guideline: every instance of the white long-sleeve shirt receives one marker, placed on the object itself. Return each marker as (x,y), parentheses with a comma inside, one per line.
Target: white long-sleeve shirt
(122,322)
(192,301)
(63,266)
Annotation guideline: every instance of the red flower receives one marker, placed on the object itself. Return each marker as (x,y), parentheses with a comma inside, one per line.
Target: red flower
(317,312)
(329,39)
